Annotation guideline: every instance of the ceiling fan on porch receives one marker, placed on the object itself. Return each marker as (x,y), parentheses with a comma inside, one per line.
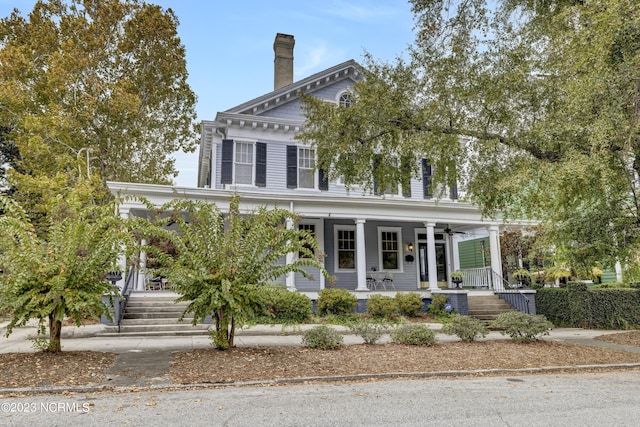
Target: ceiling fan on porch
(450,232)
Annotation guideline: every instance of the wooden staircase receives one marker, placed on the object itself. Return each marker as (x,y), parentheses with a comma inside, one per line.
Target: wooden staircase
(156,316)
(487,307)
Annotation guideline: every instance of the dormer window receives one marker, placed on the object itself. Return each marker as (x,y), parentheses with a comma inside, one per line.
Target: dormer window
(345,100)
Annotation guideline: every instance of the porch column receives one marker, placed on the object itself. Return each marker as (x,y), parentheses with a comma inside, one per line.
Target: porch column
(361,258)
(291,276)
(431,256)
(142,266)
(618,271)
(122,257)
(494,249)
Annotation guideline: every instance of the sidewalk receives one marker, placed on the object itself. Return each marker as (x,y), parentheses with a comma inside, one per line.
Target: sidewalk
(84,338)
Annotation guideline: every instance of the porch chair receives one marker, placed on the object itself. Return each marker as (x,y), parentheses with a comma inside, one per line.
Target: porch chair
(388,280)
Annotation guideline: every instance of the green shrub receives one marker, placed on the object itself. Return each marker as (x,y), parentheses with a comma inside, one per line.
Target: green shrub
(553,303)
(614,285)
(322,337)
(284,306)
(437,306)
(410,304)
(370,332)
(522,327)
(413,334)
(467,328)
(336,301)
(382,306)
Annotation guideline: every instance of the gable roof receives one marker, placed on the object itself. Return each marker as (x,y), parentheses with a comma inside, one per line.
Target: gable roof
(349,69)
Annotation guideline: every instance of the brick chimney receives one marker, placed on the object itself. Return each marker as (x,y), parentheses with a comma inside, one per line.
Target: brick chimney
(283,61)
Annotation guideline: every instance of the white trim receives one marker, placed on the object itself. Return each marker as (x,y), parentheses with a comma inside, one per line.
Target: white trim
(342,227)
(400,243)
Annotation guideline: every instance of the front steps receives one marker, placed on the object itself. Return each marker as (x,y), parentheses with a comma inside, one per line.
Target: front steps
(151,315)
(487,307)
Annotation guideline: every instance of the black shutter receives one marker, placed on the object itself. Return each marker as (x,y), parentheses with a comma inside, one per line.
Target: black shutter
(426,179)
(261,164)
(406,176)
(227,162)
(323,180)
(292,166)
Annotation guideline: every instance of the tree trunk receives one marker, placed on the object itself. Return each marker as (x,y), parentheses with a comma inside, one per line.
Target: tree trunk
(221,339)
(55,333)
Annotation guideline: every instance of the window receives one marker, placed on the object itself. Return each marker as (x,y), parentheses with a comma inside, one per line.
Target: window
(389,244)
(306,166)
(243,163)
(345,100)
(311,228)
(345,248)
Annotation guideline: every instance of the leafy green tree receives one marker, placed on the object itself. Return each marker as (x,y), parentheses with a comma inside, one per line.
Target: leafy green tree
(220,261)
(8,157)
(532,106)
(99,85)
(61,273)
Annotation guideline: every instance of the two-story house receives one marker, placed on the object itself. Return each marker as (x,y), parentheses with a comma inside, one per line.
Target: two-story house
(406,235)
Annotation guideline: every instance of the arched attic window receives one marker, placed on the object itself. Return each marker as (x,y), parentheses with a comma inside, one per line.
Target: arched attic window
(345,99)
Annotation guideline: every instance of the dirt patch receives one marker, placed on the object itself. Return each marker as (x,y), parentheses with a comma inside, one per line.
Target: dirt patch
(265,363)
(53,369)
(631,338)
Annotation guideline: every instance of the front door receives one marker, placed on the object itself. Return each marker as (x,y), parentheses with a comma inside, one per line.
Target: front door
(441,262)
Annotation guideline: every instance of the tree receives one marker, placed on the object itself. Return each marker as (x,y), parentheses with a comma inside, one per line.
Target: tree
(99,85)
(8,157)
(60,273)
(534,106)
(220,262)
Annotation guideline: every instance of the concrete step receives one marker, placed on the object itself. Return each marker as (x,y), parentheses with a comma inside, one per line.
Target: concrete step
(153,315)
(161,309)
(159,333)
(150,304)
(156,321)
(154,329)
(487,308)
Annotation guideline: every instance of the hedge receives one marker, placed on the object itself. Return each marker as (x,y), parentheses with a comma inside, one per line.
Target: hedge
(577,306)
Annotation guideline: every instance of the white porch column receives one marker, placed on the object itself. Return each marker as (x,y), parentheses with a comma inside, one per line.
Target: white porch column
(494,249)
(431,256)
(291,276)
(122,258)
(142,266)
(618,271)
(361,258)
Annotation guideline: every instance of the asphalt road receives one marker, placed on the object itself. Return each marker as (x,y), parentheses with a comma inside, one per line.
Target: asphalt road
(585,399)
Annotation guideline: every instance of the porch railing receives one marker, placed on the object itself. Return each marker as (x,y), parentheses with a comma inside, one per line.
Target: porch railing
(480,278)
(486,278)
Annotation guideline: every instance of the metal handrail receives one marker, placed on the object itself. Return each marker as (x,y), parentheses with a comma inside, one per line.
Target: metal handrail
(510,289)
(124,295)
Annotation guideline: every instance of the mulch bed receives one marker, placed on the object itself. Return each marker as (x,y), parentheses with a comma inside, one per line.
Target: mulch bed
(265,363)
(70,368)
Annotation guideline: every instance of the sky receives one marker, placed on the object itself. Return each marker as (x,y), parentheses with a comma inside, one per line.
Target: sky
(229,45)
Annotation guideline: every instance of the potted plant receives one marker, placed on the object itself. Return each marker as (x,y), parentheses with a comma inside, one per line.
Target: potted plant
(457,277)
(521,275)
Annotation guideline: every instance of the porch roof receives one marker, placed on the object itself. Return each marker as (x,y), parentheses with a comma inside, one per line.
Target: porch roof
(314,205)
